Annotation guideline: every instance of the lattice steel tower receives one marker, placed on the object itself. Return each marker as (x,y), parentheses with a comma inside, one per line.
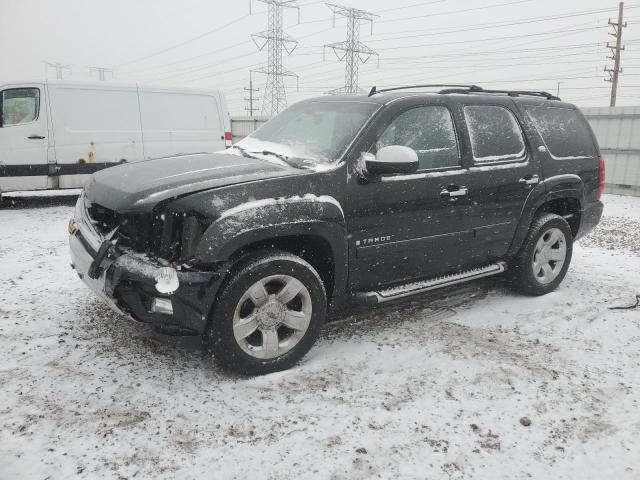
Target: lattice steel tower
(353,50)
(276,41)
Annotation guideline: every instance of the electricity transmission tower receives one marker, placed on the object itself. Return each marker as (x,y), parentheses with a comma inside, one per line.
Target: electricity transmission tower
(615,54)
(102,72)
(276,41)
(352,50)
(59,68)
(251,99)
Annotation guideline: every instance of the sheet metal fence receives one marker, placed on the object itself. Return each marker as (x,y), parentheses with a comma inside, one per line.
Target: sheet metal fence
(618,133)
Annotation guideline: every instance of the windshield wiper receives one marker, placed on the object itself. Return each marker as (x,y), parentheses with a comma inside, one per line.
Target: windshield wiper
(291,162)
(282,157)
(244,152)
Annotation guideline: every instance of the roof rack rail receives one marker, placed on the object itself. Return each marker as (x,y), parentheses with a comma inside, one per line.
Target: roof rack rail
(510,93)
(470,88)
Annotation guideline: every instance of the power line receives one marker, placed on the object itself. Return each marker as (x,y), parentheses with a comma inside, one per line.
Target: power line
(450,12)
(616,49)
(60,68)
(250,101)
(470,27)
(276,41)
(102,72)
(185,42)
(354,51)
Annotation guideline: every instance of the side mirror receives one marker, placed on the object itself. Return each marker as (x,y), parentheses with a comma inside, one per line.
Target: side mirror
(392,159)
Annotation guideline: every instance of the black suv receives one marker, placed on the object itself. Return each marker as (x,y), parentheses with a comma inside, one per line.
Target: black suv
(368,198)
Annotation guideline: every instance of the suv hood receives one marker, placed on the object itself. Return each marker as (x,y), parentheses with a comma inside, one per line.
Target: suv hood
(142,185)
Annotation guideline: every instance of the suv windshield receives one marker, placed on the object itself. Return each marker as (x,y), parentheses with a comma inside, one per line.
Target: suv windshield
(310,133)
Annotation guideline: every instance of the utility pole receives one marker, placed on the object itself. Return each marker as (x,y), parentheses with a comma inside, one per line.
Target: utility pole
(558,90)
(615,50)
(59,68)
(102,72)
(276,41)
(352,50)
(251,98)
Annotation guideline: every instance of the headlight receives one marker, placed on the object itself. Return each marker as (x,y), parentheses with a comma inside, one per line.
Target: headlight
(166,280)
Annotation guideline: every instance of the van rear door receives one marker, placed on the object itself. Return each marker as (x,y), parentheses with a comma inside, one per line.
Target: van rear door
(23,138)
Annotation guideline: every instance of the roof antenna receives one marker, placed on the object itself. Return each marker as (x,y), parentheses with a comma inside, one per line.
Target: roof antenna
(372,91)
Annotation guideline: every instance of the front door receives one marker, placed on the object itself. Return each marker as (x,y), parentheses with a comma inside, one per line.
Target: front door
(23,139)
(404,227)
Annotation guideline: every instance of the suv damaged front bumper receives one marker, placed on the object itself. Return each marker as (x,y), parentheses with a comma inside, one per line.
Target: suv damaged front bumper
(173,300)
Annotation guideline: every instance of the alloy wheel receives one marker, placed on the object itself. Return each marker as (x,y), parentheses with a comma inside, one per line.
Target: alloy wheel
(272,316)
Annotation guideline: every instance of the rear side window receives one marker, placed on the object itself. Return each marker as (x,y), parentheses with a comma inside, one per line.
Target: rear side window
(563,131)
(20,105)
(429,131)
(494,133)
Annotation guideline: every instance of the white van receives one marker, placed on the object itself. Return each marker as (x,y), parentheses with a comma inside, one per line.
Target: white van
(55,133)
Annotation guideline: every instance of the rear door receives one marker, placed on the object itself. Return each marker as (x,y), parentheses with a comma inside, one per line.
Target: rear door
(569,146)
(503,170)
(24,138)
(404,227)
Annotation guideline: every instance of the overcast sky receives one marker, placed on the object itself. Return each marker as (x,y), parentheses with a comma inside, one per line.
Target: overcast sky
(525,44)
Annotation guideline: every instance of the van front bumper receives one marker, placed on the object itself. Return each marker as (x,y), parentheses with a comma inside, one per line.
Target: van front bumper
(127,281)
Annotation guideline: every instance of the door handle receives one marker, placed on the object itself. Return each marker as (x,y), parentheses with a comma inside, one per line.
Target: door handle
(35,137)
(452,194)
(530,180)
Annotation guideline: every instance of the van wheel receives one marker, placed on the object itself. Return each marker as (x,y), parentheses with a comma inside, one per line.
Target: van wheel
(544,258)
(268,315)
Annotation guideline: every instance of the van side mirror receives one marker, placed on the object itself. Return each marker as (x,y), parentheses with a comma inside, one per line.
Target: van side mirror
(392,159)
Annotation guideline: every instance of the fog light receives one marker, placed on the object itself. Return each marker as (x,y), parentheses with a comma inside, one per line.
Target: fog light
(72,227)
(166,280)
(162,305)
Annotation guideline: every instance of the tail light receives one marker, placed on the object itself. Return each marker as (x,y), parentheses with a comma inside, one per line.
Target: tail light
(228,137)
(601,177)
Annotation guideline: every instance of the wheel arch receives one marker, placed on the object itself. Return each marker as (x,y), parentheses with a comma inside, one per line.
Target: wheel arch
(310,227)
(563,195)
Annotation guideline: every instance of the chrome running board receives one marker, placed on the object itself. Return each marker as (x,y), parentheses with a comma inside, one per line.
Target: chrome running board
(414,288)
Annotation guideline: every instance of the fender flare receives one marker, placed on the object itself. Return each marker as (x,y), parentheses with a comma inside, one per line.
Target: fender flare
(260,220)
(552,188)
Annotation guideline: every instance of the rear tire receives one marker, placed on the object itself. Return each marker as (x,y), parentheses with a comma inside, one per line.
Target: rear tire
(545,256)
(268,315)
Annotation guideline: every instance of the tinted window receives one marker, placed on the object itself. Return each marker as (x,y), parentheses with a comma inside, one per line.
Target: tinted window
(429,131)
(494,133)
(563,131)
(20,105)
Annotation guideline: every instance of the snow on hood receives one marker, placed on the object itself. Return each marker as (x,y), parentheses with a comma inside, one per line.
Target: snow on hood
(142,185)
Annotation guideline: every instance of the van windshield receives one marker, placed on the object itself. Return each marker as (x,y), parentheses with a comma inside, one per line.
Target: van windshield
(311,133)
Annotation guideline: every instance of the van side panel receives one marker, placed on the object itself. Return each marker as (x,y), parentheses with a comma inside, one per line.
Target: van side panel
(94,127)
(180,123)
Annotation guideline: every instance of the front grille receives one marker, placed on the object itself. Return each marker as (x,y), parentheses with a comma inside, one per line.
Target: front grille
(104,219)
(135,231)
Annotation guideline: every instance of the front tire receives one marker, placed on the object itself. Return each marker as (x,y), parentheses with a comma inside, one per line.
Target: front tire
(268,315)
(545,256)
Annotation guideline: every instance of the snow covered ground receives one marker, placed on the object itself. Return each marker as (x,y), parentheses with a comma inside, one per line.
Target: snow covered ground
(434,387)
